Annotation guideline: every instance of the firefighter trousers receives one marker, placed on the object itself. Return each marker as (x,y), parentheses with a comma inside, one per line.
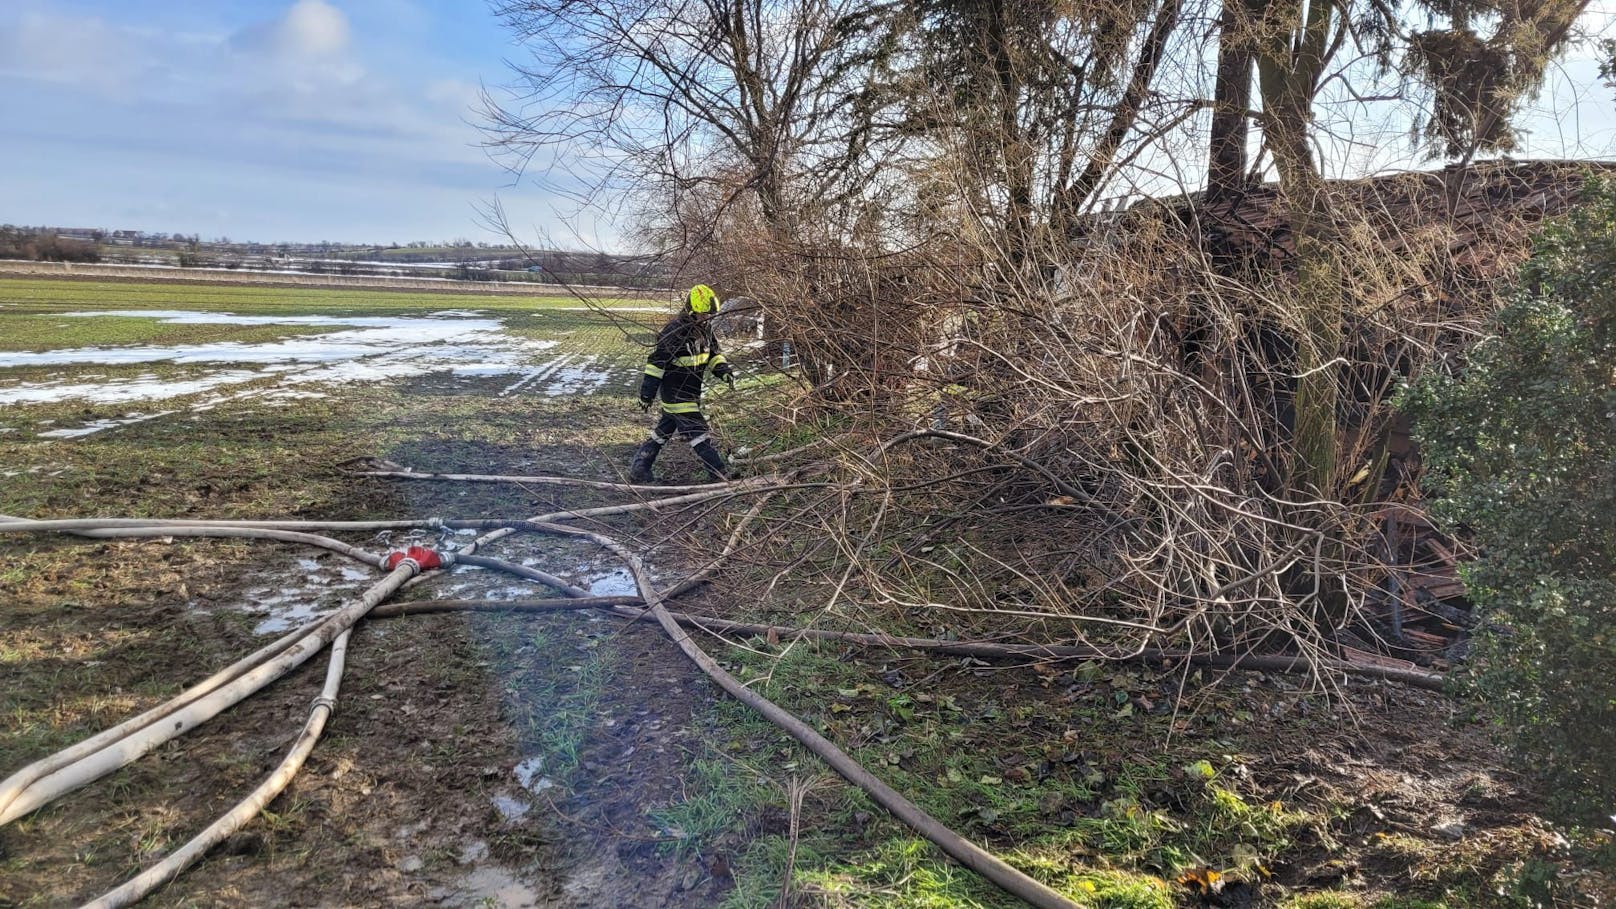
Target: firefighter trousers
(690,426)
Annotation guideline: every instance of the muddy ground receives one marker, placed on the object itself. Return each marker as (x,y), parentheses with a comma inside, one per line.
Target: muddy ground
(575,761)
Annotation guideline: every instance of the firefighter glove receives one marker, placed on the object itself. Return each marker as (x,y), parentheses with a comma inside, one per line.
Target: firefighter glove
(729,379)
(645,404)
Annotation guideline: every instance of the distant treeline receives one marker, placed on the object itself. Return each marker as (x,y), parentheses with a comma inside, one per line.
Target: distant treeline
(571,266)
(467,261)
(44,245)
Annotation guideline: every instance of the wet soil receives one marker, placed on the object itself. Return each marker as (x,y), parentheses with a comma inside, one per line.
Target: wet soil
(589,790)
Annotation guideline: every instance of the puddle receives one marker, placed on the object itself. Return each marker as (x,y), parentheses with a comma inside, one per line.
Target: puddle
(615,583)
(489,886)
(472,851)
(318,588)
(510,807)
(285,616)
(527,773)
(471,582)
(466,585)
(528,770)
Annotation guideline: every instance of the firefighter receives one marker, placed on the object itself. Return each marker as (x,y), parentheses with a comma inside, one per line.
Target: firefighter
(685,350)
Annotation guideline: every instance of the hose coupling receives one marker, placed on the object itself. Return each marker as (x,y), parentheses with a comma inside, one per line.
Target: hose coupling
(420,557)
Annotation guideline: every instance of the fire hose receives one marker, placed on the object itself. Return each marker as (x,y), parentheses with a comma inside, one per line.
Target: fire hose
(44,780)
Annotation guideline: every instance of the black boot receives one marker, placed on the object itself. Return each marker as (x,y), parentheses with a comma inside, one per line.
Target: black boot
(712,460)
(640,470)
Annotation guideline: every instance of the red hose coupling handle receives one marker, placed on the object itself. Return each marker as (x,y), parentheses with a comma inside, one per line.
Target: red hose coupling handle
(424,559)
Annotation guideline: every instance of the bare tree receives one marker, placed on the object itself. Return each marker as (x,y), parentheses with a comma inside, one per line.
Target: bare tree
(1035,99)
(625,95)
(1215,495)
(1465,72)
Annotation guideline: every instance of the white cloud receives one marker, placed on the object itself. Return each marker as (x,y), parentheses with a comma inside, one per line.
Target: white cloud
(299,65)
(89,53)
(319,120)
(311,28)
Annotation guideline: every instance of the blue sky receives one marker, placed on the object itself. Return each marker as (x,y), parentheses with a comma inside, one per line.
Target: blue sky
(344,120)
(352,120)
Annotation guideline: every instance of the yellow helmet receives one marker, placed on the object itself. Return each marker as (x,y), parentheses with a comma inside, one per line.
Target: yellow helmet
(702,299)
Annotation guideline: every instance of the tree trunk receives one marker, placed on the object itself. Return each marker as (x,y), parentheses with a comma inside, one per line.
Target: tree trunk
(1290,59)
(1017,157)
(1291,53)
(1231,103)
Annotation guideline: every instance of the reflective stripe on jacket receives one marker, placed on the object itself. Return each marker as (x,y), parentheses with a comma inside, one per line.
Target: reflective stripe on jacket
(684,351)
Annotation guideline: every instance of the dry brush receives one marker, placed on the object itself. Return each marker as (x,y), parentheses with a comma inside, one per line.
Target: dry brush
(1101,446)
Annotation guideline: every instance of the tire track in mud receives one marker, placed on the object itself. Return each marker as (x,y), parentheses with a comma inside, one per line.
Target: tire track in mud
(542,372)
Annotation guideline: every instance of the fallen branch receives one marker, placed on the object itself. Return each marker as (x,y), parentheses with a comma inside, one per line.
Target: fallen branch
(779,455)
(625,607)
(1065,487)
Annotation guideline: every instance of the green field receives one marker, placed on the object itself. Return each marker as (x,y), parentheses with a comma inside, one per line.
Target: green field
(41,332)
(35,316)
(32,295)
(29,309)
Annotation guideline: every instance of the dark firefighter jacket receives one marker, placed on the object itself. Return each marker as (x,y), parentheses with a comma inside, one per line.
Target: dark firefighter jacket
(684,350)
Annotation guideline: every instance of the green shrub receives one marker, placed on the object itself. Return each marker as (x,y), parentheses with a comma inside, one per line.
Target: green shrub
(1521,449)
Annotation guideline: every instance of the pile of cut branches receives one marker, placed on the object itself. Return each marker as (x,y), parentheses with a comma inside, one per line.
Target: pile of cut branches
(1098,442)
